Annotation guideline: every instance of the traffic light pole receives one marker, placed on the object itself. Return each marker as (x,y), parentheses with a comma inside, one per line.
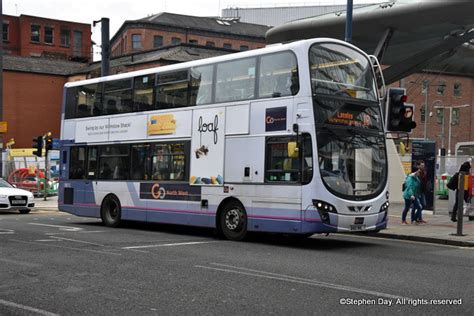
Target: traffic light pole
(45,192)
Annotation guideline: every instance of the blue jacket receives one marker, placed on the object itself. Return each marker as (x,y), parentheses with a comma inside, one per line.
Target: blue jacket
(412,186)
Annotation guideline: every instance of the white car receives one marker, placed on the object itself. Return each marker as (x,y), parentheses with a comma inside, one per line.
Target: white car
(12,198)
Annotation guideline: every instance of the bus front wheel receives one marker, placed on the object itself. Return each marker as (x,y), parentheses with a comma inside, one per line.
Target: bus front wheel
(233,221)
(111,211)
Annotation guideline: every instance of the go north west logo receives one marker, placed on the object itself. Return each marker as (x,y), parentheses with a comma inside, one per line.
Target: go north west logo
(170,191)
(275,119)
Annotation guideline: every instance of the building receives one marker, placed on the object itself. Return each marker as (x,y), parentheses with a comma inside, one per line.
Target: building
(40,56)
(167,29)
(42,37)
(444,107)
(33,89)
(166,55)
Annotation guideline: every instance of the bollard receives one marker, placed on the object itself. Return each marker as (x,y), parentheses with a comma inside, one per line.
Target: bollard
(460,197)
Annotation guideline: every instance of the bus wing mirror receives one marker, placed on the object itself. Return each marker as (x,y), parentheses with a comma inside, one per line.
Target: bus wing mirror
(293,150)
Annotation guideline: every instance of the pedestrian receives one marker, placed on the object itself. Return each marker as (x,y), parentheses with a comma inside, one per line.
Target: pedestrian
(411,197)
(466,168)
(420,165)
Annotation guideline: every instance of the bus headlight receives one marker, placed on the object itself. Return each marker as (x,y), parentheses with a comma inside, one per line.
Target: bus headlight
(384,207)
(324,209)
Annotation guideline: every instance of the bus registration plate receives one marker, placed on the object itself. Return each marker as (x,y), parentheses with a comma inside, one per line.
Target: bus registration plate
(355,228)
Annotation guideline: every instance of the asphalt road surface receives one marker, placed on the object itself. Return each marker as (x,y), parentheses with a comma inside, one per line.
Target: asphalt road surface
(59,264)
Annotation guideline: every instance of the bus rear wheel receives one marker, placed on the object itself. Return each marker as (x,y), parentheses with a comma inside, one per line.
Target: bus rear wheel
(233,221)
(111,211)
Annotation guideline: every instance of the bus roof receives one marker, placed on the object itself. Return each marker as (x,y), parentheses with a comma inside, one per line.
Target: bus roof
(201,62)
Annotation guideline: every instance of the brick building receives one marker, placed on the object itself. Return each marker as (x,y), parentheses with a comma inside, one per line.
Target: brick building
(165,29)
(41,37)
(33,89)
(41,55)
(449,97)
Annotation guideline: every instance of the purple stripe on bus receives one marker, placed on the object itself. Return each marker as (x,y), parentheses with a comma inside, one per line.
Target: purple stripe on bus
(203,213)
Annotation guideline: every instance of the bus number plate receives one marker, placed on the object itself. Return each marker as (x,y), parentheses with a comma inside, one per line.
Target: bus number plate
(355,228)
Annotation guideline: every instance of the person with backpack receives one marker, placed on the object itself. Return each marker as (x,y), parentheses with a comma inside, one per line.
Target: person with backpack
(420,165)
(466,168)
(411,196)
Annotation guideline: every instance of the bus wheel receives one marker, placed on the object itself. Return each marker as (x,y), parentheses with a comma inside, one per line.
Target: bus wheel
(111,212)
(233,221)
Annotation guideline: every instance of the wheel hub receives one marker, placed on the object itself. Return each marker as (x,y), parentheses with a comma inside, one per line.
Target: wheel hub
(232,219)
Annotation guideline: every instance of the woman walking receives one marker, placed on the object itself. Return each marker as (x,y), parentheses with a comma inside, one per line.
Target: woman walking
(410,195)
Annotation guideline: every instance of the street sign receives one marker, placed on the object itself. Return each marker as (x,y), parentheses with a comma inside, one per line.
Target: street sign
(56,143)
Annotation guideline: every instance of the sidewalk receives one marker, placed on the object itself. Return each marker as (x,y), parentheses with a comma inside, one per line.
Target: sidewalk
(50,204)
(439,228)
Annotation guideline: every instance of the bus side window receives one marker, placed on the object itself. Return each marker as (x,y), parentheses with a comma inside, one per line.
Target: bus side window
(278,75)
(77,163)
(279,167)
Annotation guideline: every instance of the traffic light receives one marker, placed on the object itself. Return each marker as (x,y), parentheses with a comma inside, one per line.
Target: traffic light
(399,116)
(48,143)
(38,145)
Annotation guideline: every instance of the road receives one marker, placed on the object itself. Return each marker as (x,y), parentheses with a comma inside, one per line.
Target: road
(59,264)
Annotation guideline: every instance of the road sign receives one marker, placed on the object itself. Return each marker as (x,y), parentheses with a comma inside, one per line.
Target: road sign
(56,143)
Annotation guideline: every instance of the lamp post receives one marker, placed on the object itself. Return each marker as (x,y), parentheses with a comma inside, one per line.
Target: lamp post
(450,108)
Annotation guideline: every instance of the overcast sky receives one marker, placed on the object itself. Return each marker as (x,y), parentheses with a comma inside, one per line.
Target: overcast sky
(86,11)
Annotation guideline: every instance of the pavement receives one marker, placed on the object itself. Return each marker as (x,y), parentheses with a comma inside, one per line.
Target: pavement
(438,229)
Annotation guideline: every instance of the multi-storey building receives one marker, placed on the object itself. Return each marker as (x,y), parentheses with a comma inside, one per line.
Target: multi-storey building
(168,29)
(41,54)
(33,36)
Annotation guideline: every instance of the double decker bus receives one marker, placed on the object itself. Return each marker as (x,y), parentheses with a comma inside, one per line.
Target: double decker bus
(287,138)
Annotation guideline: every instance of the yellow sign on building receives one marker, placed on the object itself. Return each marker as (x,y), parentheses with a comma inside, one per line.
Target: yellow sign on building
(3,127)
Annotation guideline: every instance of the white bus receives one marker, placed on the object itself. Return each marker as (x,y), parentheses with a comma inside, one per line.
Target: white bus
(287,138)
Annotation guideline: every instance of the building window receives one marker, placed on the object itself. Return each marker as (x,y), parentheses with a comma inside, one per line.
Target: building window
(193,41)
(422,114)
(440,116)
(425,86)
(441,88)
(35,33)
(175,41)
(455,117)
(136,41)
(244,47)
(457,92)
(48,35)
(227,45)
(157,41)
(77,44)
(5,32)
(65,38)
(210,44)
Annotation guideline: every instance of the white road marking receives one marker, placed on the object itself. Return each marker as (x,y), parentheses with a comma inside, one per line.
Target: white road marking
(287,278)
(21,263)
(65,247)
(81,232)
(171,245)
(66,228)
(6,231)
(79,241)
(46,240)
(27,308)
